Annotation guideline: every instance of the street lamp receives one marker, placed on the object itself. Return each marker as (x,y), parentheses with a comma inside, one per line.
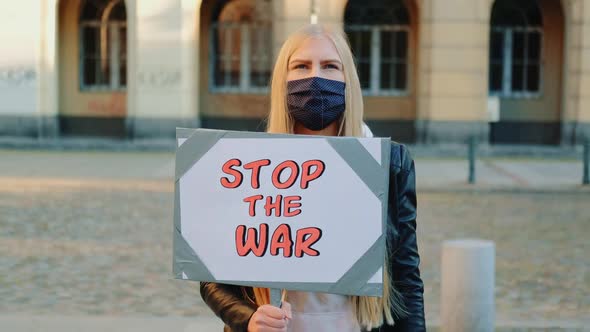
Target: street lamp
(313,15)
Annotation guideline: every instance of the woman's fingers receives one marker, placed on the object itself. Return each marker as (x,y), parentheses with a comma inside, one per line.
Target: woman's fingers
(272,311)
(269,319)
(262,324)
(287,309)
(271,329)
(275,324)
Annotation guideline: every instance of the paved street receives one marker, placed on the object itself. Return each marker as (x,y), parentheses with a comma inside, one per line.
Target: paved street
(85,239)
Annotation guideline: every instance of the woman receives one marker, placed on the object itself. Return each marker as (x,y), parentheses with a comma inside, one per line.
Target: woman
(315,90)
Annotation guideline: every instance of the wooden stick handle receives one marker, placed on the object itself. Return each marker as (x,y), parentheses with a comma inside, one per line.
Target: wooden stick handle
(275,297)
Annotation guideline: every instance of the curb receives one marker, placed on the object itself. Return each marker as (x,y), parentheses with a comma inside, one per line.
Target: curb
(50,323)
(578,189)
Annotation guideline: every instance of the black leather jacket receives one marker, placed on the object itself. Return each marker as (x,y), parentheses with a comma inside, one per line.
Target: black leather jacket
(228,301)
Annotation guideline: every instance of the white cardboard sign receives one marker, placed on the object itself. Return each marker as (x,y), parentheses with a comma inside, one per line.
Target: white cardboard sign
(281,211)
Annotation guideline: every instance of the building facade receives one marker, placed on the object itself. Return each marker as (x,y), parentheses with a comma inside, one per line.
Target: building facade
(504,71)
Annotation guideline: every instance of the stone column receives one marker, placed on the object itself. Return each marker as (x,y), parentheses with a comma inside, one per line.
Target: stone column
(582,119)
(467,296)
(47,80)
(163,59)
(453,86)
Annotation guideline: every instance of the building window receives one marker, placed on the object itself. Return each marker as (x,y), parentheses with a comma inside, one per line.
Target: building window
(516,39)
(241,47)
(103,45)
(379,33)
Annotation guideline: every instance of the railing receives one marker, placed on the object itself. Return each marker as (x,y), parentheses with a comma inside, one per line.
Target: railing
(472,156)
(586,176)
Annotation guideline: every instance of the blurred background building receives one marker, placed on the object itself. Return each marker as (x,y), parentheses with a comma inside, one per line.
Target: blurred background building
(505,71)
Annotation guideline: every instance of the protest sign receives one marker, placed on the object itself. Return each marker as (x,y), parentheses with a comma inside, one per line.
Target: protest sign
(281,211)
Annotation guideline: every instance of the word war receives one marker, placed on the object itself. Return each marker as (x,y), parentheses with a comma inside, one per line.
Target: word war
(249,240)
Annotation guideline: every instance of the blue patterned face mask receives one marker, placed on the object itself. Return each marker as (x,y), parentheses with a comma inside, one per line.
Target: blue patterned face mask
(315,102)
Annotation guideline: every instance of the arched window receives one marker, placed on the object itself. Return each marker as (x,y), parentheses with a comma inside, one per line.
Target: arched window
(241,46)
(378,31)
(516,37)
(103,45)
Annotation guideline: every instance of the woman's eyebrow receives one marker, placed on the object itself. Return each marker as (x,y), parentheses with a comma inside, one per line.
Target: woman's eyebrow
(331,61)
(309,61)
(300,60)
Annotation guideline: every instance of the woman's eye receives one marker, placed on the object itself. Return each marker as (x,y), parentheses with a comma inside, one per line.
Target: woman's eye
(300,66)
(331,66)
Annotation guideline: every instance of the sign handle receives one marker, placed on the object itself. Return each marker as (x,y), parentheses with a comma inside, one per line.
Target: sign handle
(276,298)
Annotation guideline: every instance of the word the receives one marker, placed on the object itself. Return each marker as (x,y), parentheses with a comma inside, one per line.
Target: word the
(290,202)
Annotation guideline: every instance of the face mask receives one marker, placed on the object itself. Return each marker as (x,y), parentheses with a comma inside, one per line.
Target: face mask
(315,102)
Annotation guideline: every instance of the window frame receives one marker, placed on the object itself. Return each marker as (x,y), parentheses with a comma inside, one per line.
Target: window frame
(507,38)
(245,85)
(114,62)
(374,89)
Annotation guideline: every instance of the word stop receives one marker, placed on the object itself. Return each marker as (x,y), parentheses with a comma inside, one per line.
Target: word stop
(307,172)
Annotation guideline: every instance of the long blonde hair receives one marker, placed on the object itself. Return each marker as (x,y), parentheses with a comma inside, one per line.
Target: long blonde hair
(279,120)
(371,312)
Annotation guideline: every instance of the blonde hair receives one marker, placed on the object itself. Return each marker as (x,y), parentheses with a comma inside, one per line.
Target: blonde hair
(279,120)
(371,312)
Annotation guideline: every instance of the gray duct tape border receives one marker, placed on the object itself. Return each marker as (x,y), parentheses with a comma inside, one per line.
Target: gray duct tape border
(368,289)
(199,141)
(365,267)
(361,162)
(385,162)
(185,260)
(355,280)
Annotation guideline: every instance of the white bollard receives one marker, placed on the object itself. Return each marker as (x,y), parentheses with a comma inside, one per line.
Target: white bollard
(467,296)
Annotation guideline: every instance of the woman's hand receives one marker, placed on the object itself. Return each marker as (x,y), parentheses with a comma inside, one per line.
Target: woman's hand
(268,318)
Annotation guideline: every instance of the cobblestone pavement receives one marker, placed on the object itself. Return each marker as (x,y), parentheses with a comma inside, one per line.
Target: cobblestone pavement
(76,245)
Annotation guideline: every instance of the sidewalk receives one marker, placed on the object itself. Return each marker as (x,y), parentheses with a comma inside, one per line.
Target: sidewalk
(28,323)
(500,174)
(55,323)
(433,173)
(446,150)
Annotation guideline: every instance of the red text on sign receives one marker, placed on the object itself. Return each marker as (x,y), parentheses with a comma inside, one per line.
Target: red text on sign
(289,206)
(308,171)
(252,240)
